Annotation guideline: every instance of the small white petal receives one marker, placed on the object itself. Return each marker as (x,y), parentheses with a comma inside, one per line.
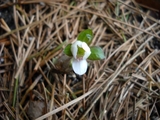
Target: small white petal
(87,50)
(85,46)
(79,66)
(74,48)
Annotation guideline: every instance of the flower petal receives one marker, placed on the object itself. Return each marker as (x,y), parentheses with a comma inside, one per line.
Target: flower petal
(79,66)
(87,50)
(74,48)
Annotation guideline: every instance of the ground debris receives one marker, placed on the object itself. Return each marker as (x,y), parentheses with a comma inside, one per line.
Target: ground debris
(36,79)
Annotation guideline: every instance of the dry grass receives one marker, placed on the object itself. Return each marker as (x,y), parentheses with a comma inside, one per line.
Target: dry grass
(35,80)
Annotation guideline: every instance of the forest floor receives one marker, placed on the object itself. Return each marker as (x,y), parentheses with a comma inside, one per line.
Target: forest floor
(36,81)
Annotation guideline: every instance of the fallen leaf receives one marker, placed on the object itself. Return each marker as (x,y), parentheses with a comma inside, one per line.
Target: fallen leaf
(35,109)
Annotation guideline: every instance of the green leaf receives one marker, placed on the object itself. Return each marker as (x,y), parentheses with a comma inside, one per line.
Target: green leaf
(96,53)
(67,50)
(85,36)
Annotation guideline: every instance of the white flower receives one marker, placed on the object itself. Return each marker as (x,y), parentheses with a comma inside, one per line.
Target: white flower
(79,63)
